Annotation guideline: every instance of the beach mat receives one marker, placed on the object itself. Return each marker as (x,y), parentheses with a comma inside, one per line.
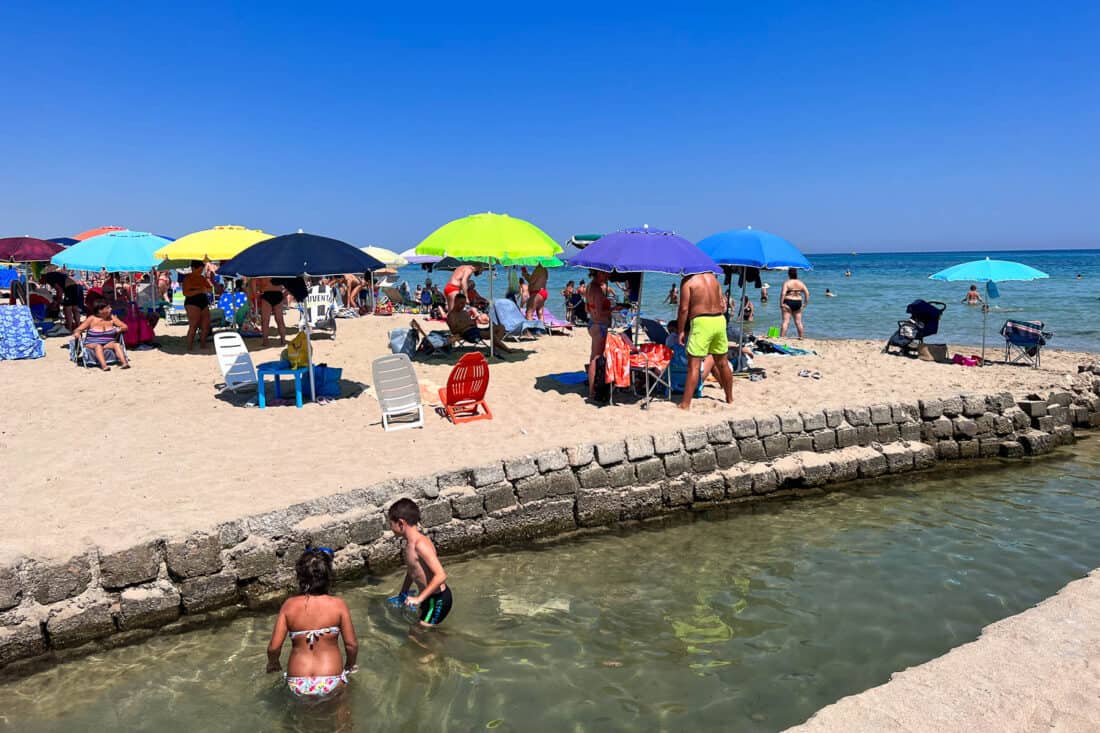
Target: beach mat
(569,377)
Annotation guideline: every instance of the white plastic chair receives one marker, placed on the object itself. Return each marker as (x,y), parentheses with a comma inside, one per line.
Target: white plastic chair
(398,392)
(234,361)
(321,308)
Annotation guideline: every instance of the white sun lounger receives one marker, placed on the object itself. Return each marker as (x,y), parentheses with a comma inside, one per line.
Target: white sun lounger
(234,361)
(398,392)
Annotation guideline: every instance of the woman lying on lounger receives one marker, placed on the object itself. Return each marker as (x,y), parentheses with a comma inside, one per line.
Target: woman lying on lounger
(104,329)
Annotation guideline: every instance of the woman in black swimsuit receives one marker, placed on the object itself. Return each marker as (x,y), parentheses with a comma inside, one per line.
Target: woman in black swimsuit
(794,297)
(271,304)
(196,302)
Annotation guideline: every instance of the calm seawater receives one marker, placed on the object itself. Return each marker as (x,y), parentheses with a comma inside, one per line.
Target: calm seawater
(869,304)
(748,621)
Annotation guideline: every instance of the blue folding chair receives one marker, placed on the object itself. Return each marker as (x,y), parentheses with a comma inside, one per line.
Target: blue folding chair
(1024,341)
(507,314)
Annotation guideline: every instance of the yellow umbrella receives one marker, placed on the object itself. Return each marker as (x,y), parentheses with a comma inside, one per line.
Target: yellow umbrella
(387,257)
(219,243)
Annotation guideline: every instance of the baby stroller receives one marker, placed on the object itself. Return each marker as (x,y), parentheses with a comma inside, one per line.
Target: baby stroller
(923,321)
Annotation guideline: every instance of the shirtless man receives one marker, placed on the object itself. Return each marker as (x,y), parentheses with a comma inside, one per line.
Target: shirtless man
(536,283)
(792,299)
(598,306)
(461,323)
(432,599)
(460,283)
(701,313)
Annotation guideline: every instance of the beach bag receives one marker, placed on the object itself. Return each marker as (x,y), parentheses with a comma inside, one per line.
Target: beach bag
(602,392)
(327,380)
(297,351)
(403,341)
(436,341)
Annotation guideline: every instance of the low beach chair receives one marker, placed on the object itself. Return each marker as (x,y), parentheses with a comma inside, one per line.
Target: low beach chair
(235,307)
(505,313)
(651,361)
(464,396)
(399,301)
(398,392)
(1024,341)
(321,309)
(175,313)
(38,312)
(81,355)
(235,362)
(555,324)
(923,321)
(678,372)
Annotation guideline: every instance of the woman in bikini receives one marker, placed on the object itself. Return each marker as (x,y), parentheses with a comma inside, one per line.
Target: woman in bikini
(792,299)
(196,301)
(314,621)
(103,330)
(598,306)
(271,303)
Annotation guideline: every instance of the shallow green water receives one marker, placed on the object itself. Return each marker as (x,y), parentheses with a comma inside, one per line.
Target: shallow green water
(750,621)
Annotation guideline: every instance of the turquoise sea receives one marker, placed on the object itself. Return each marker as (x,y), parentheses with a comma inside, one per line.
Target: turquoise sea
(873,299)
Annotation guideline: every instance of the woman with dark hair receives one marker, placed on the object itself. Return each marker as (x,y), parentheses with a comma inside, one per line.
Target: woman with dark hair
(314,621)
(196,301)
(104,331)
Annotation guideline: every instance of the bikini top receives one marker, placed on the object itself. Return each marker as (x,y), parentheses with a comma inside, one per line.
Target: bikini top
(313,634)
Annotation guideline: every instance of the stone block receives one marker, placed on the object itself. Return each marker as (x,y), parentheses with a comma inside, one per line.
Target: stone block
(453,479)
(621,475)
(21,641)
(420,487)
(488,475)
(11,589)
(888,433)
(812,421)
(320,531)
(924,456)
(817,469)
(1002,425)
(775,445)
(989,447)
(844,466)
(1079,416)
(1044,423)
(899,413)
(552,460)
(210,591)
(230,533)
(80,620)
(824,440)
(867,434)
(593,477)
(1060,414)
(608,454)
(532,488)
(703,461)
(677,492)
(857,416)
(931,409)
(720,434)
(665,443)
(788,470)
(197,554)
(751,449)
(800,442)
(347,564)
(790,423)
(537,519)
(766,426)
(952,407)
(639,447)
(1060,398)
(133,565)
(561,483)
(154,604)
(964,427)
(1033,407)
(384,555)
(911,431)
(1063,435)
(834,417)
(456,536)
(694,438)
(642,502)
(498,496)
(744,427)
(650,471)
(253,557)
(465,502)
(52,582)
(942,428)
(709,488)
(675,463)
(764,480)
(947,450)
(522,467)
(968,448)
(846,436)
(727,455)
(871,463)
(898,458)
(984,422)
(973,405)
(881,415)
(738,481)
(435,513)
(1012,449)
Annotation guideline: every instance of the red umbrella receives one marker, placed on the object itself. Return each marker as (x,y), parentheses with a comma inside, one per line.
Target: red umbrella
(96,232)
(27,249)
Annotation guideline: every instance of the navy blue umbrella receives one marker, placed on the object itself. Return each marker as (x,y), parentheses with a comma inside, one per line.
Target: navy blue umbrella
(63,241)
(300,255)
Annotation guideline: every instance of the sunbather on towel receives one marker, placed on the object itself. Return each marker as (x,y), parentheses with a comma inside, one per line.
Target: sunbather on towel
(463,323)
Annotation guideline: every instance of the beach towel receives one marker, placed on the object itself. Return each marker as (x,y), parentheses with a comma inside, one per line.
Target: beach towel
(617,352)
(570,378)
(19,338)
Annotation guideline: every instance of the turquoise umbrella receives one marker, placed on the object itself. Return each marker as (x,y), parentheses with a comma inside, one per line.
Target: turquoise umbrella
(121,251)
(989,272)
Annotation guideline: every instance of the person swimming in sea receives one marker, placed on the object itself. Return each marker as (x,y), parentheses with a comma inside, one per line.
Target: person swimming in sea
(973,297)
(829,293)
(315,621)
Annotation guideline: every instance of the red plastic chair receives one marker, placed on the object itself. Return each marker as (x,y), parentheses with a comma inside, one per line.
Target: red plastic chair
(464,397)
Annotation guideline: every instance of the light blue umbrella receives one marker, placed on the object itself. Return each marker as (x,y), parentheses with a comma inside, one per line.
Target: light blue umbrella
(989,272)
(122,251)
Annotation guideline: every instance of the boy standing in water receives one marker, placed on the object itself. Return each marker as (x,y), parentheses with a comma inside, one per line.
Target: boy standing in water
(433,601)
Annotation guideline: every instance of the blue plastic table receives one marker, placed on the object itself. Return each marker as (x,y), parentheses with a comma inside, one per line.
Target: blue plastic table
(275,370)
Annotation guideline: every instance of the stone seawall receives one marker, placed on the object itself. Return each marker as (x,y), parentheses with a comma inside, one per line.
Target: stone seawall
(52,611)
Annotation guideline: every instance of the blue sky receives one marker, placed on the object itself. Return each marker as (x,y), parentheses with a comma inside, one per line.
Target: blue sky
(864,126)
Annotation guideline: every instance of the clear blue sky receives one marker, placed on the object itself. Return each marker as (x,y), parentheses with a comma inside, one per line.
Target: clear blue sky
(930,125)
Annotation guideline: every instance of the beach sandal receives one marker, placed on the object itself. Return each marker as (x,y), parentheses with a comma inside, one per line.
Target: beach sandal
(816,375)
(125,366)
(804,373)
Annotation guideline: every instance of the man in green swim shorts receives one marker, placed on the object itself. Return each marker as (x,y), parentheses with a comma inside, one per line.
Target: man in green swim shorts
(703,327)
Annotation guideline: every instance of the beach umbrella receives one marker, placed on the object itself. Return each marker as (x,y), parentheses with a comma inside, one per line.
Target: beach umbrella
(387,257)
(114,251)
(744,248)
(989,272)
(63,241)
(27,249)
(414,259)
(214,244)
(300,255)
(494,239)
(644,250)
(96,232)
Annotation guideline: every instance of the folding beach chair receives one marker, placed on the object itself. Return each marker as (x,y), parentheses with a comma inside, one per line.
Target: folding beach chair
(235,307)
(923,321)
(399,301)
(651,362)
(464,396)
(82,355)
(554,324)
(321,308)
(19,339)
(678,372)
(398,392)
(505,313)
(175,313)
(1024,341)
(234,361)
(38,312)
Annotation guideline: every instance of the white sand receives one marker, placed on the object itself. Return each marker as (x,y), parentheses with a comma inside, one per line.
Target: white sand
(109,458)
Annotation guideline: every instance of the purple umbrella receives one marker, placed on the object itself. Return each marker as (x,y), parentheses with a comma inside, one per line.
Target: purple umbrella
(27,249)
(644,250)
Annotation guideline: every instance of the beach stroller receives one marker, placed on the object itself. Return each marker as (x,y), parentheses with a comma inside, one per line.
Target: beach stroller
(507,314)
(464,396)
(321,308)
(398,392)
(1024,341)
(923,321)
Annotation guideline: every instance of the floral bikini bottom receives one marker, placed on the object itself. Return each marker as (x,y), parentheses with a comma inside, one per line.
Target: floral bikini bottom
(316,687)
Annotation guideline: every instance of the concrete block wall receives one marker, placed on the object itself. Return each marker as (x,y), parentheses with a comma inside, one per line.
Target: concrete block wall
(52,611)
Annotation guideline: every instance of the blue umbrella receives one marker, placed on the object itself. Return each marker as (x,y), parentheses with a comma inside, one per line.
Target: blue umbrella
(300,255)
(120,251)
(753,248)
(63,241)
(989,272)
(644,250)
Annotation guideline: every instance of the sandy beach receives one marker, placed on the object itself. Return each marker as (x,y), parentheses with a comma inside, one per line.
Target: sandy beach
(105,458)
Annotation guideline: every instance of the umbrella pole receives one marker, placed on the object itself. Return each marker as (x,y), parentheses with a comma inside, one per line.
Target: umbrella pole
(492,309)
(309,348)
(985,318)
(372,308)
(741,331)
(638,310)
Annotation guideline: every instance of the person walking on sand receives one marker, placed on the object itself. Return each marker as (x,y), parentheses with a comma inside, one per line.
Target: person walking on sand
(538,295)
(598,306)
(702,325)
(792,299)
(460,283)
